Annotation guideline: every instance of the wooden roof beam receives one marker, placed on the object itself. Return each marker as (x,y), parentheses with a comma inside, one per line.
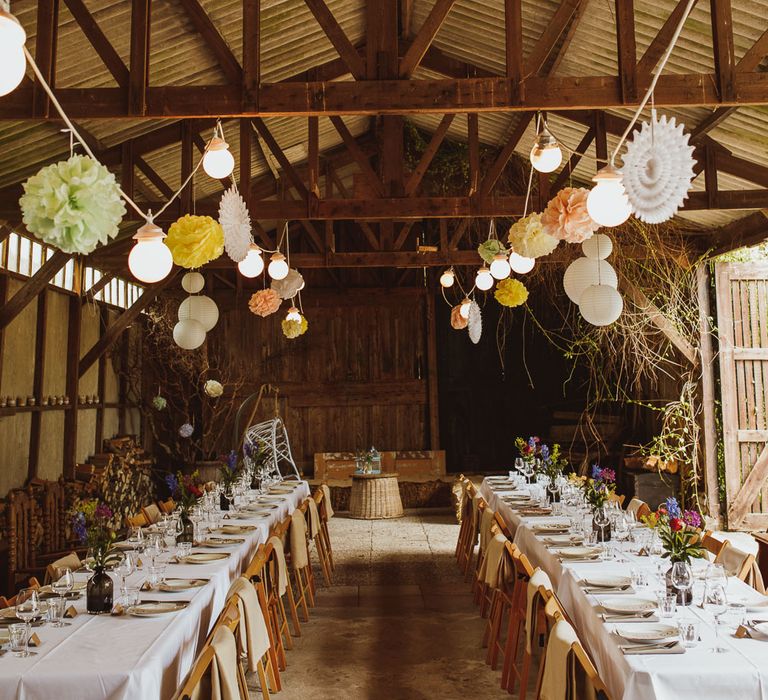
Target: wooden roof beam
(659,44)
(626,48)
(138,72)
(722,45)
(425,36)
(286,165)
(337,37)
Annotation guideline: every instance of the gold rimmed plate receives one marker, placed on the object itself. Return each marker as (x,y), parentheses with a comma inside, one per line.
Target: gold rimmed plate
(171,585)
(156,608)
(203,557)
(220,541)
(234,529)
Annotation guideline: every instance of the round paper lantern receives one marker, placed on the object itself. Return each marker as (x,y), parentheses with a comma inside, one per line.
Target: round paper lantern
(601,305)
(193,282)
(278,267)
(189,334)
(218,162)
(200,308)
(150,260)
(12,59)
(583,272)
(599,247)
(253,264)
(500,268)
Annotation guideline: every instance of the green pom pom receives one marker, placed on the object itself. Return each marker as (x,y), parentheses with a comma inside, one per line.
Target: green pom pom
(490,249)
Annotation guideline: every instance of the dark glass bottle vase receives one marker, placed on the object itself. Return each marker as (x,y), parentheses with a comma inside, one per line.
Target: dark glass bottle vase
(99,592)
(188,529)
(223,502)
(683,597)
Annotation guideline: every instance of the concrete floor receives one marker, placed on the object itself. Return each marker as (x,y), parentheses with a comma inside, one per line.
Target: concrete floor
(398,623)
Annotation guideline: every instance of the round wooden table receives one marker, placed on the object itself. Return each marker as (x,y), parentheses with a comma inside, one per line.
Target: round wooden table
(375,496)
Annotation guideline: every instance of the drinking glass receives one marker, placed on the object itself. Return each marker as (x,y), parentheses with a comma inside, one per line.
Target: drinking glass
(601,520)
(56,612)
(125,568)
(154,547)
(27,608)
(64,584)
(716,602)
(682,579)
(183,549)
(229,493)
(18,637)
(667,605)
(689,633)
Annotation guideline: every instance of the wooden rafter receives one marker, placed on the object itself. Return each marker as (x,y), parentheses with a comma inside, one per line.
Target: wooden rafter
(280,156)
(251,53)
(337,37)
(722,44)
(412,186)
(45,53)
(138,76)
(425,36)
(574,160)
(548,41)
(360,158)
(659,44)
(626,48)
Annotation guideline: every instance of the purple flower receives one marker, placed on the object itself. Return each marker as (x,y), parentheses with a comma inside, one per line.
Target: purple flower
(78,527)
(596,471)
(545,452)
(608,475)
(232,461)
(103,511)
(532,442)
(673,509)
(186,430)
(692,518)
(172,483)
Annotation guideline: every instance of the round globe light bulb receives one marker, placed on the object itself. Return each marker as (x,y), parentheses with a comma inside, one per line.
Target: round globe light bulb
(500,268)
(278,267)
(12,58)
(484,279)
(546,158)
(253,263)
(519,264)
(447,279)
(218,162)
(464,308)
(150,260)
(293,314)
(607,202)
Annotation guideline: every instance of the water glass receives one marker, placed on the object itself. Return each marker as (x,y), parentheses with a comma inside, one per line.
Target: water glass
(156,575)
(132,596)
(735,615)
(689,633)
(667,605)
(639,578)
(56,612)
(18,637)
(183,549)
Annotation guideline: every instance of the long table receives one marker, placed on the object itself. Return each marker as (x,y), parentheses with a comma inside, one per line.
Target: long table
(740,673)
(109,658)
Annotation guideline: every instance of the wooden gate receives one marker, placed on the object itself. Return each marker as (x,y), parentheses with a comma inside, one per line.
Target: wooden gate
(742,319)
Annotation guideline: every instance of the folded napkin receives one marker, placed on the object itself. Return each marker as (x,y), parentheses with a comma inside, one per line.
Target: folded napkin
(327,498)
(223,679)
(298,541)
(314,519)
(34,640)
(70,612)
(282,568)
(253,629)
(632,650)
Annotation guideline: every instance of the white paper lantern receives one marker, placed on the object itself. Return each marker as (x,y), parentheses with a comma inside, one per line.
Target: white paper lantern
(12,59)
(192,282)
(200,308)
(583,272)
(189,334)
(447,278)
(599,247)
(601,305)
(218,162)
(520,264)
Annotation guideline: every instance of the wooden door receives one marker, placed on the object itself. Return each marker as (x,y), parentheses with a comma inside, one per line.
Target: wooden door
(742,320)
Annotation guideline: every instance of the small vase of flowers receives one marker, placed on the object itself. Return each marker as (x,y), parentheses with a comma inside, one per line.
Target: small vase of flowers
(185,491)
(598,489)
(92,524)
(552,465)
(680,535)
(530,452)
(228,475)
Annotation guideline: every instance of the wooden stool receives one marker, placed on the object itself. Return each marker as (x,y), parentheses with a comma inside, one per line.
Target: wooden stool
(375,496)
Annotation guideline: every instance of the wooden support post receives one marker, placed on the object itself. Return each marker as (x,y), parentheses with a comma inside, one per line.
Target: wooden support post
(122,387)
(601,139)
(187,156)
(313,157)
(432,373)
(626,49)
(722,45)
(513,32)
(37,384)
(424,38)
(45,53)
(72,384)
(710,176)
(251,54)
(101,383)
(473,139)
(246,166)
(139,66)
(3,297)
(707,393)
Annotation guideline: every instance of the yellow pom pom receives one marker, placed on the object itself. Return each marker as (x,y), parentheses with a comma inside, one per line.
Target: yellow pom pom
(293,329)
(195,240)
(511,292)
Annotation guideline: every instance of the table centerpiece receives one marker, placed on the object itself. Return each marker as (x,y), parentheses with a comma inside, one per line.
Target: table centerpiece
(186,492)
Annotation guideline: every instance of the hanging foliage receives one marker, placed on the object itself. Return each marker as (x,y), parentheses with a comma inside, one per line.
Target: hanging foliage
(195,240)
(489,249)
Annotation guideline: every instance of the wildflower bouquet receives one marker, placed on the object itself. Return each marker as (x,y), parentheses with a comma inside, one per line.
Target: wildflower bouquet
(184,489)
(678,530)
(91,524)
(599,487)
(552,460)
(230,469)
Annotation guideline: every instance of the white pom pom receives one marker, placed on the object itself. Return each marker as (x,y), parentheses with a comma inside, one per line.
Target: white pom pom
(236,222)
(658,169)
(475,323)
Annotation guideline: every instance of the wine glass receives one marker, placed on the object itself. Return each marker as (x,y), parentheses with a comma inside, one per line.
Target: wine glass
(229,494)
(27,608)
(682,579)
(154,547)
(601,520)
(63,585)
(528,471)
(716,602)
(125,568)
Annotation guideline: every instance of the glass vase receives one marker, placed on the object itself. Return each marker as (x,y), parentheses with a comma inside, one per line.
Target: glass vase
(99,592)
(188,529)
(683,597)
(603,533)
(223,502)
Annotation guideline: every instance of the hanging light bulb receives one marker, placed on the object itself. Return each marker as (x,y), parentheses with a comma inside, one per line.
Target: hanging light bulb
(448,278)
(607,201)
(484,279)
(278,267)
(252,264)
(218,162)
(500,268)
(12,58)
(464,308)
(546,155)
(293,314)
(520,264)
(150,260)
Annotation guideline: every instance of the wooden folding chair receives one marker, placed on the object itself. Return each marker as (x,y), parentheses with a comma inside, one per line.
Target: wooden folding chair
(486,576)
(538,593)
(619,498)
(738,563)
(502,525)
(277,538)
(639,508)
(54,570)
(151,513)
(303,577)
(712,544)
(484,523)
(138,520)
(516,619)
(468,530)
(326,513)
(500,603)
(268,572)
(318,535)
(167,507)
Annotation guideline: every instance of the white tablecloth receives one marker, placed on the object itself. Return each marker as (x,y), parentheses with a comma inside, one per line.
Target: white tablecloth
(739,674)
(104,657)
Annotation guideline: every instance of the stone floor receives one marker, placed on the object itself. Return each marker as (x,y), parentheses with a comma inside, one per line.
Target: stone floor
(398,623)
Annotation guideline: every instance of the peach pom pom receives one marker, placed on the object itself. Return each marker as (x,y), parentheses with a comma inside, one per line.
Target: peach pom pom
(566,217)
(265,302)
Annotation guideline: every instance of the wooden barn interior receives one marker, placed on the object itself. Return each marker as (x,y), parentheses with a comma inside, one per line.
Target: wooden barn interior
(394,467)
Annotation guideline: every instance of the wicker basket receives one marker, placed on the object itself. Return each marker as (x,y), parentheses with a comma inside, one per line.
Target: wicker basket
(375,496)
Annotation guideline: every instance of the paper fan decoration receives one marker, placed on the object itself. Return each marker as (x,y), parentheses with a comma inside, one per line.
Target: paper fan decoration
(290,285)
(566,217)
(236,222)
(458,322)
(73,205)
(658,169)
(475,323)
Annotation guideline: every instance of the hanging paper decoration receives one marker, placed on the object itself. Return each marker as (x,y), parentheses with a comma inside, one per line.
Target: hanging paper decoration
(159,403)
(475,323)
(601,304)
(489,249)
(192,282)
(458,322)
(201,308)
(529,239)
(599,247)
(290,285)
(293,329)
(265,302)
(74,205)
(584,272)
(236,223)
(213,388)
(186,430)
(195,240)
(658,169)
(511,292)
(189,334)
(566,217)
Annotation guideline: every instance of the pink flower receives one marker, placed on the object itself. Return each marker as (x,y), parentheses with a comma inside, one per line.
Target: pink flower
(566,217)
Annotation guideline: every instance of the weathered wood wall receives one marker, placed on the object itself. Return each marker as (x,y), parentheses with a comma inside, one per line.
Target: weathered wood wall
(357,378)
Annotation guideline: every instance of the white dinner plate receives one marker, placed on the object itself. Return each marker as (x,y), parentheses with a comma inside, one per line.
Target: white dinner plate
(646,632)
(578,552)
(551,528)
(606,581)
(181,584)
(234,529)
(566,539)
(152,609)
(627,605)
(202,557)
(77,587)
(259,507)
(220,541)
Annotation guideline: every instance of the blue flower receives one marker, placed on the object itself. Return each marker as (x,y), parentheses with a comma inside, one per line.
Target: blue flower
(172,482)
(232,461)
(596,471)
(545,453)
(673,508)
